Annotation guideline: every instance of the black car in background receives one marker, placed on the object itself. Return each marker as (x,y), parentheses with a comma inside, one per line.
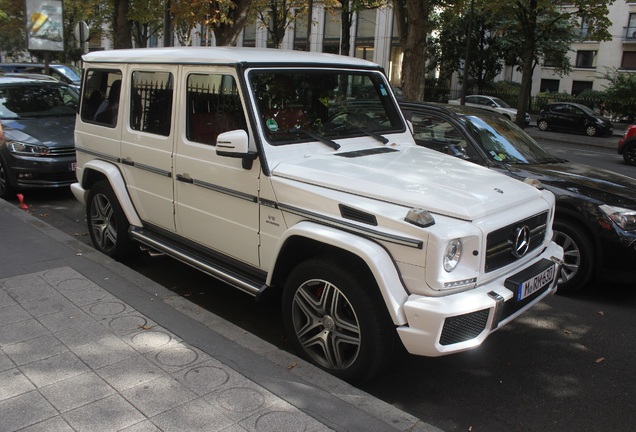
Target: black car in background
(64,73)
(595,219)
(573,117)
(37,119)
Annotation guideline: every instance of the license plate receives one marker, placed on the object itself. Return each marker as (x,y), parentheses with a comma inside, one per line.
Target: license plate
(536,282)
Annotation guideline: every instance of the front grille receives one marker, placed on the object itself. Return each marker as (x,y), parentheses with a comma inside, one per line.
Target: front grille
(62,151)
(465,327)
(500,243)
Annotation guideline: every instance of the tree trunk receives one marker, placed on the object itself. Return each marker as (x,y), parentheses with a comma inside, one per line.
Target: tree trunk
(412,17)
(527,62)
(122,27)
(227,34)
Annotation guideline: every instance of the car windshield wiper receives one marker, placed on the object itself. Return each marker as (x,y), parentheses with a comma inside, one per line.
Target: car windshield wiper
(297,131)
(367,132)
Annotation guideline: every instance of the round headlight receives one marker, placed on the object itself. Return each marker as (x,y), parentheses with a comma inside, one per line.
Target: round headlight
(452,254)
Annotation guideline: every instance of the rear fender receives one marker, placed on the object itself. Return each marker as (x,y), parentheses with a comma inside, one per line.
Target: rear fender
(94,171)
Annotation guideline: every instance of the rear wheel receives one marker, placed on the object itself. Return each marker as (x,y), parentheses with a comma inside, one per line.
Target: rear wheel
(107,223)
(578,255)
(6,190)
(543,125)
(336,319)
(629,153)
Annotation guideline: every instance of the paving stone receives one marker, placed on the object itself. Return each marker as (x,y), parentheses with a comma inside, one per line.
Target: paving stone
(55,424)
(35,349)
(14,416)
(5,299)
(13,383)
(54,369)
(77,391)
(66,319)
(194,416)
(21,331)
(104,351)
(13,314)
(159,395)
(130,372)
(48,305)
(110,414)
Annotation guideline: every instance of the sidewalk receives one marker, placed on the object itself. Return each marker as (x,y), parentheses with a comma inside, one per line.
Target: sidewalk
(86,344)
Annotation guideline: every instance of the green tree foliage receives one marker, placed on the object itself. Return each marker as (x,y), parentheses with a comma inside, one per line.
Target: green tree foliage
(147,19)
(530,23)
(13,34)
(621,94)
(225,18)
(448,45)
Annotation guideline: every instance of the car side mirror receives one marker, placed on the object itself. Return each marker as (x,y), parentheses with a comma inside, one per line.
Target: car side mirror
(235,144)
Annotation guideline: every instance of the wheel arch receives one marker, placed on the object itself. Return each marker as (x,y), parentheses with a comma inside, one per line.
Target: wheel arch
(308,239)
(573,216)
(95,171)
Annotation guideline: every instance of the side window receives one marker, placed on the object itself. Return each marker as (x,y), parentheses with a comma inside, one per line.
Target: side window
(100,96)
(438,134)
(214,107)
(151,95)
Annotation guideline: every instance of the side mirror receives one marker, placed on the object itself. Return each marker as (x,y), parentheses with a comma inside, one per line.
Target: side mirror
(235,144)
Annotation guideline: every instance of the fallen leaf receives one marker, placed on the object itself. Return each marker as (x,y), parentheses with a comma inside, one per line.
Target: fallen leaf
(292,365)
(567,332)
(600,359)
(145,327)
(601,313)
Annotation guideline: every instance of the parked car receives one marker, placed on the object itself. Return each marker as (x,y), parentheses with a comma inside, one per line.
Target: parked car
(37,119)
(627,145)
(257,169)
(573,117)
(64,73)
(493,104)
(595,219)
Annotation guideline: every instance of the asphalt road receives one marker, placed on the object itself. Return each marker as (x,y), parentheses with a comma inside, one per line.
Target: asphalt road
(567,365)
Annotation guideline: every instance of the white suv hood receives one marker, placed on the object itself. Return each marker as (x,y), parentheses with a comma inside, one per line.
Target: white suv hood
(412,177)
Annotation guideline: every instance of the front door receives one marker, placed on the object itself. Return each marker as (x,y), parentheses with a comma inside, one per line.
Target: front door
(216,199)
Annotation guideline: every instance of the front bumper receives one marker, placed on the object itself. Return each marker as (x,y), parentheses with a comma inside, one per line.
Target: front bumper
(40,172)
(444,325)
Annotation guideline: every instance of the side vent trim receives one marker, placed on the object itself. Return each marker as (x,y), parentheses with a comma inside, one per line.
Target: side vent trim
(357,215)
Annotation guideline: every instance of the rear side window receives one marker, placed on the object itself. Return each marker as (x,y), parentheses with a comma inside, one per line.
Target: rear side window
(151,102)
(100,97)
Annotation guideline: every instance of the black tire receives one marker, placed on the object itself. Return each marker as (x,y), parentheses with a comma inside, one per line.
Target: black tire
(6,191)
(578,255)
(629,153)
(543,125)
(336,319)
(591,130)
(107,223)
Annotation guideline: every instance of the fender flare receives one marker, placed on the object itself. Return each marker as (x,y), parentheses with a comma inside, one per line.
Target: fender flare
(113,175)
(376,257)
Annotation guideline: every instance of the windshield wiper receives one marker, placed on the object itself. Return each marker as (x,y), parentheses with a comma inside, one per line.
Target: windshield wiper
(367,132)
(297,131)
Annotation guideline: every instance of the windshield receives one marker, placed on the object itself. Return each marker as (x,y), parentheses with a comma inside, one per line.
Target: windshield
(37,100)
(296,106)
(70,72)
(501,103)
(503,141)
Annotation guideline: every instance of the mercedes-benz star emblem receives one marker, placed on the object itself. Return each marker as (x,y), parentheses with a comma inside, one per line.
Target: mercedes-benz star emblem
(521,241)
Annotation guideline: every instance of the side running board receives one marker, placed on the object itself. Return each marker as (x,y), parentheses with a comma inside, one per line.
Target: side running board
(214,268)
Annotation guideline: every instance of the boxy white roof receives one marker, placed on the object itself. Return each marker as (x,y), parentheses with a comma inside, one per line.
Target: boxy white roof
(223,55)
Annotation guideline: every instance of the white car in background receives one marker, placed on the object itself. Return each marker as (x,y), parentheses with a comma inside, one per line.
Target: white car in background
(493,104)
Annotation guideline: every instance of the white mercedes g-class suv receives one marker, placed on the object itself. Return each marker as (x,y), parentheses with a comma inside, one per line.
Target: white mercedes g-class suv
(296,173)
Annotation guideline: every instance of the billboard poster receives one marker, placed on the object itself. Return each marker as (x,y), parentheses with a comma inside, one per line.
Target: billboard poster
(45,25)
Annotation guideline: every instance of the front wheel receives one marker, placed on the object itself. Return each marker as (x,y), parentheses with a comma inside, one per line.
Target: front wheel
(578,255)
(591,130)
(107,223)
(336,319)
(543,125)
(5,187)
(629,153)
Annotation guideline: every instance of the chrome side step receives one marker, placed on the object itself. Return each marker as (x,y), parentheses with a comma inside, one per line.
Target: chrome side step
(187,256)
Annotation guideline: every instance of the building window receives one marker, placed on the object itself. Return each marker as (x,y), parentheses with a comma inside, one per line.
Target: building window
(630,31)
(331,35)
(549,85)
(579,87)
(586,59)
(629,60)
(365,34)
(300,33)
(249,36)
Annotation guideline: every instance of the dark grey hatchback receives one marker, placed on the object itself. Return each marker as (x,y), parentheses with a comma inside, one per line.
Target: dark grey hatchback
(595,220)
(37,119)
(573,117)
